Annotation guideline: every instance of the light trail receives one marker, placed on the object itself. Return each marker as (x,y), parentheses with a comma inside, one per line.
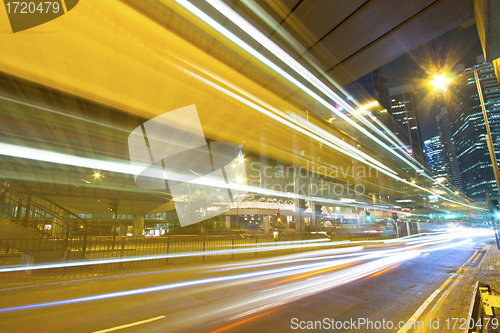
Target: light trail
(312,135)
(308,128)
(204,17)
(330,277)
(281,243)
(382,271)
(64,114)
(238,306)
(252,249)
(263,40)
(163,256)
(244,321)
(288,60)
(267,274)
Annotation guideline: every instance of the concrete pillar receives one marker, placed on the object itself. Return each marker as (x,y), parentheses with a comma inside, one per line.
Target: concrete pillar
(263,157)
(123,230)
(419,228)
(314,220)
(267,223)
(408,228)
(299,216)
(227,221)
(57,229)
(138,225)
(28,208)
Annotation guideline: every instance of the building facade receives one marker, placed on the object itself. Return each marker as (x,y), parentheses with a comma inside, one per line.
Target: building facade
(468,127)
(451,164)
(406,123)
(368,88)
(434,155)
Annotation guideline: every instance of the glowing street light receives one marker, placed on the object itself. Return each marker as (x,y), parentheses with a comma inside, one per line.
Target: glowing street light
(440,82)
(97,175)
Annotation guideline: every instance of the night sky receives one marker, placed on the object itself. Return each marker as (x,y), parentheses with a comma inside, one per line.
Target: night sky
(417,66)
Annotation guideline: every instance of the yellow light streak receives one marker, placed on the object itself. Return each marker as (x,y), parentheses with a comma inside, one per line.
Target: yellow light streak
(367,106)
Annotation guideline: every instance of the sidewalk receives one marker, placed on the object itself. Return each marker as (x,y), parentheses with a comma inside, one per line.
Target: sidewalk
(487,272)
(448,307)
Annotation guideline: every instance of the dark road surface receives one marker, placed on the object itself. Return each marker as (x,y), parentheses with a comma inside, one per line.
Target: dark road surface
(298,292)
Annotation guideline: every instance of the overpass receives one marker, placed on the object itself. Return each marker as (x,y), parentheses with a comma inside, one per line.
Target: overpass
(72,90)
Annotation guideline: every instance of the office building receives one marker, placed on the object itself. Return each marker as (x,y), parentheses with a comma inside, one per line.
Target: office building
(449,153)
(368,88)
(468,126)
(434,155)
(406,123)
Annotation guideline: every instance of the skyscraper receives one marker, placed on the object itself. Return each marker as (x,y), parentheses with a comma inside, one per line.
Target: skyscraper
(451,164)
(368,88)
(469,129)
(435,158)
(406,123)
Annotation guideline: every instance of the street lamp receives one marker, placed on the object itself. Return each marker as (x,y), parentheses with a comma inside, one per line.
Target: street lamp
(440,82)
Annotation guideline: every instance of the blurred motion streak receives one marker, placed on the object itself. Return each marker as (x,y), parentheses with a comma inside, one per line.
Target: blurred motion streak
(328,274)
(294,64)
(245,321)
(137,66)
(382,271)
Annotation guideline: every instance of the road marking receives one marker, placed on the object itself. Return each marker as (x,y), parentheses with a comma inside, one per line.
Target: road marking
(463,266)
(429,300)
(130,325)
(476,253)
(444,296)
(424,306)
(477,258)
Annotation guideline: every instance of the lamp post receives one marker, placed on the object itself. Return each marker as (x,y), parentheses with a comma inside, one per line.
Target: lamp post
(440,83)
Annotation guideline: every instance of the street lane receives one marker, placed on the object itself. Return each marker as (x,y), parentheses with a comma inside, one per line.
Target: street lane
(307,286)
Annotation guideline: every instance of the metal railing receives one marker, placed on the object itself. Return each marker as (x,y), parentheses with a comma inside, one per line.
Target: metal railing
(146,251)
(40,215)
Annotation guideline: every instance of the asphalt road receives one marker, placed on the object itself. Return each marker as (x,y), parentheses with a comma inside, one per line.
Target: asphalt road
(289,293)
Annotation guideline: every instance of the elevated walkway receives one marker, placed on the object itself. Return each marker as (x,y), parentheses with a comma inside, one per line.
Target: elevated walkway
(36,227)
